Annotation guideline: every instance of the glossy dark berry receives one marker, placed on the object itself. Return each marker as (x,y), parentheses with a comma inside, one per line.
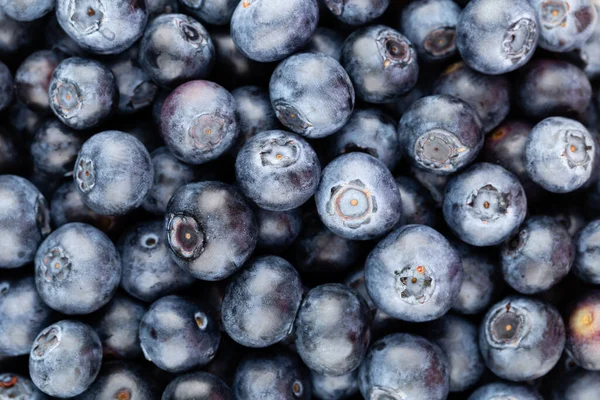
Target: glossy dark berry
(418,206)
(424,373)
(277,170)
(270,30)
(197,385)
(65,358)
(414,274)
(521,338)
(357,197)
(587,261)
(54,148)
(119,380)
(277,230)
(484,205)
(211,231)
(178,334)
(13,386)
(499,390)
(261,302)
(440,134)
(583,330)
(381,63)
(82,92)
(77,269)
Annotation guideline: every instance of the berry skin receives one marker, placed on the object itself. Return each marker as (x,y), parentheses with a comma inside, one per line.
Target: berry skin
(211,230)
(271,30)
(24,221)
(211,12)
(381,63)
(539,256)
(587,262)
(560,154)
(311,94)
(328,387)
(24,315)
(149,272)
(277,170)
(521,338)
(501,390)
(357,197)
(26,10)
(197,385)
(497,37)
(15,36)
(198,121)
(484,205)
(77,269)
(178,334)
(54,148)
(261,302)
(424,373)
(414,274)
(326,41)
(431,26)
(576,385)
(176,48)
(13,386)
(32,79)
(440,134)
(583,330)
(103,27)
(65,359)
(277,230)
(113,172)
(122,381)
(331,330)
(357,12)
(82,92)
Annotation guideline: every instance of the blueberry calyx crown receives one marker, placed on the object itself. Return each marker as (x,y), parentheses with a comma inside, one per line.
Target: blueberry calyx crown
(488,203)
(519,38)
(67,97)
(439,149)
(291,117)
(415,284)
(554,13)
(517,242)
(56,265)
(394,49)
(85,175)
(297,388)
(86,15)
(279,152)
(46,341)
(123,394)
(577,151)
(4,287)
(191,33)
(185,236)
(149,241)
(353,203)
(440,42)
(201,320)
(208,130)
(507,326)
(7,381)
(335,6)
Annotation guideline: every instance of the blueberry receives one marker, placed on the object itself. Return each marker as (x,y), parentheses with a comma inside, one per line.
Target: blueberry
(32,79)
(148,270)
(77,269)
(6,86)
(370,131)
(54,148)
(82,92)
(358,198)
(169,175)
(113,172)
(587,245)
(254,111)
(22,120)
(418,206)
(103,27)
(441,134)
(312,104)
(480,280)
(68,206)
(560,154)
(277,170)
(564,25)
(197,386)
(497,37)
(381,63)
(583,330)
(331,330)
(538,256)
(576,385)
(122,381)
(488,95)
(210,230)
(328,387)
(176,48)
(15,36)
(357,12)
(136,89)
(326,41)
(589,52)
(521,338)
(26,10)
(178,334)
(277,230)
(271,30)
(24,315)
(117,326)
(431,26)
(484,205)
(501,390)
(199,121)
(261,302)
(65,359)
(13,386)
(414,274)
(212,12)
(404,366)
(24,221)
(275,374)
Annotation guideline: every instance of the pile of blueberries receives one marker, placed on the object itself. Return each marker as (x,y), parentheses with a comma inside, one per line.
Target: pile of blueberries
(296,199)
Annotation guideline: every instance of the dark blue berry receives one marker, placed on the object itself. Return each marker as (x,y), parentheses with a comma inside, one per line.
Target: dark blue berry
(197,385)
